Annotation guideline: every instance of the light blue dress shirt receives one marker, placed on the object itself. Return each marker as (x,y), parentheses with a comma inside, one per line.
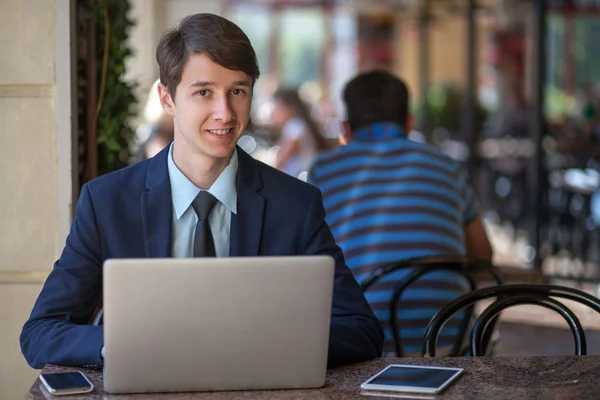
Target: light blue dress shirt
(183,192)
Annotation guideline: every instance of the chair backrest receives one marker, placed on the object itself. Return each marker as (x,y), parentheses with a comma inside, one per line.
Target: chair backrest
(465,267)
(508,296)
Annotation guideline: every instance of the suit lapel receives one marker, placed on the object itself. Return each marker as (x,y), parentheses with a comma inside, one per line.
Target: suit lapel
(157,208)
(246,225)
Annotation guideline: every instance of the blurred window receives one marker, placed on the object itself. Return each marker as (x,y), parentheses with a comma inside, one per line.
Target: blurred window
(301,45)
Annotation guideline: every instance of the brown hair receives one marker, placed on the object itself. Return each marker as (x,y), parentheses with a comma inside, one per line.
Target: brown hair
(291,99)
(220,39)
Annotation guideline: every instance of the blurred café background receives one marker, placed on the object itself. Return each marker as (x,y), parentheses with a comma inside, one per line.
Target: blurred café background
(510,88)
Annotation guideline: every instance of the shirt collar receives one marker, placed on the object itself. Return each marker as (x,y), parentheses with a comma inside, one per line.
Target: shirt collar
(183,191)
(379,130)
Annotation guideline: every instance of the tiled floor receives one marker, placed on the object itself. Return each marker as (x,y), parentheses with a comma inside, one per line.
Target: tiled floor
(535,315)
(518,339)
(532,330)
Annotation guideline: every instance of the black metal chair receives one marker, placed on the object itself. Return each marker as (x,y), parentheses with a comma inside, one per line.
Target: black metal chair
(508,296)
(466,267)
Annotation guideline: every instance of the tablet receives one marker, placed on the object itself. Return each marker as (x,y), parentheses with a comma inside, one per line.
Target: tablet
(412,379)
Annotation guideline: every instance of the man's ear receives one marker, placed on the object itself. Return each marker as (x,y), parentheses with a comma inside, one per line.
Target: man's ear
(410,123)
(166,101)
(346,133)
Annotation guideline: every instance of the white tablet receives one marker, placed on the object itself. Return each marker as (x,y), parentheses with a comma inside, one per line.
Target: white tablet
(412,379)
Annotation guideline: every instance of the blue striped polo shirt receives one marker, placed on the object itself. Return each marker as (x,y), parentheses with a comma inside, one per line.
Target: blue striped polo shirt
(389,199)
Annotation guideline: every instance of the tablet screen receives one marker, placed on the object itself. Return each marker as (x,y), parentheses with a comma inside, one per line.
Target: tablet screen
(407,377)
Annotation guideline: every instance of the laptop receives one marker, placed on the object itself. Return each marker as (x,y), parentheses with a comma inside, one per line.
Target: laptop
(211,324)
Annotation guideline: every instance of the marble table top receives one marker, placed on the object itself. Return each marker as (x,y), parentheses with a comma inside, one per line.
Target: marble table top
(566,377)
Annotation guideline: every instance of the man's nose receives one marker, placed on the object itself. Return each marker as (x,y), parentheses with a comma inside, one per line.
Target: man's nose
(223,111)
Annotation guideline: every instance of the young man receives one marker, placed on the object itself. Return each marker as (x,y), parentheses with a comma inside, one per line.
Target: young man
(207,71)
(391,199)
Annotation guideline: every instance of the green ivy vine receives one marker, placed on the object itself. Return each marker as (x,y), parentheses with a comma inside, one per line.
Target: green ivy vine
(115,103)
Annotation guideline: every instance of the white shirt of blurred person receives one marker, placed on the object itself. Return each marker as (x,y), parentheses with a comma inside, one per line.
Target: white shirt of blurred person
(301,140)
(162,133)
(157,129)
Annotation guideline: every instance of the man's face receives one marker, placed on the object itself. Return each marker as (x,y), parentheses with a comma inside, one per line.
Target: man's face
(211,108)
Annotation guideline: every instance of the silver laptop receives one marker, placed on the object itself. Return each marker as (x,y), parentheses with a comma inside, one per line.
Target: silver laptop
(208,324)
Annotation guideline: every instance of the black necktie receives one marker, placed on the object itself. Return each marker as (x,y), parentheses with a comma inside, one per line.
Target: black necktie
(204,245)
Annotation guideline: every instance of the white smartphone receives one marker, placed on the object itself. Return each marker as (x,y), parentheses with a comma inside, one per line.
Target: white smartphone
(412,379)
(66,383)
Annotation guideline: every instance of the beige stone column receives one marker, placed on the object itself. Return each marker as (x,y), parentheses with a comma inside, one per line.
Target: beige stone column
(36,175)
(150,24)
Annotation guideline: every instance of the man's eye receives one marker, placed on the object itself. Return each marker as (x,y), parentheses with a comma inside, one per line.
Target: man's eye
(237,91)
(202,92)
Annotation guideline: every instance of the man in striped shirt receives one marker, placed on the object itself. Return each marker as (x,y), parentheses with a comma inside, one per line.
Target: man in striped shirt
(390,199)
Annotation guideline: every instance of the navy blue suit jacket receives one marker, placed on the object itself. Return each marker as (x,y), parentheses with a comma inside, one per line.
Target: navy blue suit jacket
(128,214)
